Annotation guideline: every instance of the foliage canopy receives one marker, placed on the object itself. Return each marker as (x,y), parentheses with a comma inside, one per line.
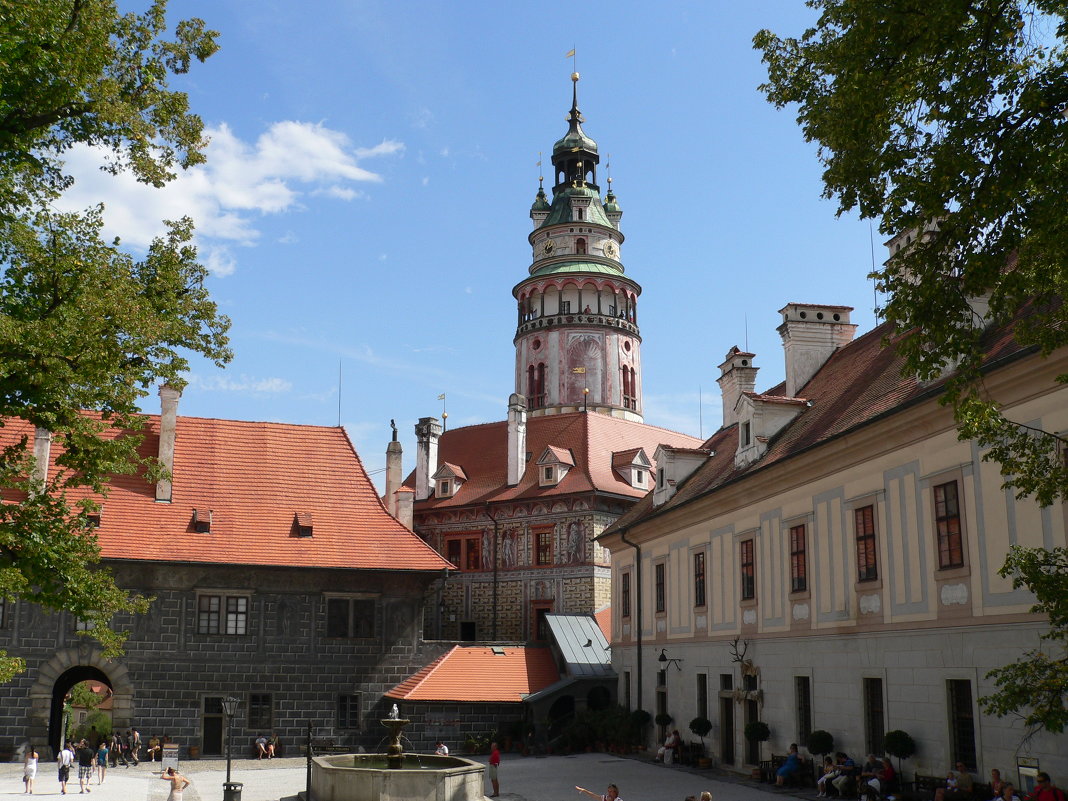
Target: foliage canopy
(87,328)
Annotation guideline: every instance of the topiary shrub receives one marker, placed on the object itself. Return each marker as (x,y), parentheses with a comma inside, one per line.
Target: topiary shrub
(663,719)
(820,742)
(757,731)
(899,744)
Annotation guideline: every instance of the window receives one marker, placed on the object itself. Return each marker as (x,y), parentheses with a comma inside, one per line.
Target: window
(699,578)
(626,689)
(747,433)
(348,711)
(798,580)
(962,722)
(864,525)
(444,488)
(660,572)
(465,551)
(83,625)
(350,617)
(803,699)
(748,571)
(222,614)
(660,477)
(947,524)
(624,595)
(548,473)
(874,721)
(639,477)
(565,307)
(580,244)
(702,695)
(260,710)
(543,545)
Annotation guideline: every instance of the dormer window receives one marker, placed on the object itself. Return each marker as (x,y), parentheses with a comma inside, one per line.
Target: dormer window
(202,521)
(580,244)
(632,466)
(302,524)
(747,433)
(448,479)
(639,477)
(553,465)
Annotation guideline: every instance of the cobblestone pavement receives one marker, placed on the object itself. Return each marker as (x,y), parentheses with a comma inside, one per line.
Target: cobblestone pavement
(551,778)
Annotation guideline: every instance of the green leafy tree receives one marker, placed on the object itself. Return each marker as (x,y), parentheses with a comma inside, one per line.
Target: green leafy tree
(1035,687)
(945,121)
(947,118)
(86,328)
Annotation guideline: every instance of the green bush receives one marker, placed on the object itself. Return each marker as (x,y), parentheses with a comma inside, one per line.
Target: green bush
(701,727)
(899,744)
(820,742)
(663,719)
(757,731)
(94,718)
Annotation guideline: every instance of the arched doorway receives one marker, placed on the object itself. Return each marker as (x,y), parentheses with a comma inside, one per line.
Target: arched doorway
(58,675)
(561,714)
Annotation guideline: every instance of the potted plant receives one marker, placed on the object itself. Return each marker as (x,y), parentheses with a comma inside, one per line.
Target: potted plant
(757,731)
(899,744)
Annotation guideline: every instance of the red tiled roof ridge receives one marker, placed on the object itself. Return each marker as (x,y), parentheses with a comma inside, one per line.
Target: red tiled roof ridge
(416,680)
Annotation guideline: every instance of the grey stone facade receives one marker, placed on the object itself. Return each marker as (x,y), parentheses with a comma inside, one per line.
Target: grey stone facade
(171,676)
(454,722)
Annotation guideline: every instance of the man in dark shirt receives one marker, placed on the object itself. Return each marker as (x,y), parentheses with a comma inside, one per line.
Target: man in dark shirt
(85,766)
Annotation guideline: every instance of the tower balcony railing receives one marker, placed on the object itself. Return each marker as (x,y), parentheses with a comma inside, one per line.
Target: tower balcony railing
(571,318)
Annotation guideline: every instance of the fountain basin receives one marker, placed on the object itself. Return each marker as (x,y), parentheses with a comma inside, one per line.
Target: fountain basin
(421,777)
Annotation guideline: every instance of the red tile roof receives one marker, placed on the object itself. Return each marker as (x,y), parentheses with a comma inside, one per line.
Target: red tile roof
(860,382)
(604,621)
(591,438)
(256,480)
(481,673)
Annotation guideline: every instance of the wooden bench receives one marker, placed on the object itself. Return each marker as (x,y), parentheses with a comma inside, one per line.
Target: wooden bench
(769,770)
(689,753)
(922,787)
(328,745)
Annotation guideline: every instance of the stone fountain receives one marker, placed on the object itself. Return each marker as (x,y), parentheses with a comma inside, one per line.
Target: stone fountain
(396,775)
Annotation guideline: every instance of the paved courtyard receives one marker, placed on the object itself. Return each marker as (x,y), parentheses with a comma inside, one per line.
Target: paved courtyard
(522,779)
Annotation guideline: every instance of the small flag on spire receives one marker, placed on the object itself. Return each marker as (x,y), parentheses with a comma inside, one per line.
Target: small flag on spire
(570,53)
(441,396)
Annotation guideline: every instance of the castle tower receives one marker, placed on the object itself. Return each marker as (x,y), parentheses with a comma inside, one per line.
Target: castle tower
(577,344)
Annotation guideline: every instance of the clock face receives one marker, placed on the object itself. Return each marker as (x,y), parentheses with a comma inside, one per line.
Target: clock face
(609,249)
(549,247)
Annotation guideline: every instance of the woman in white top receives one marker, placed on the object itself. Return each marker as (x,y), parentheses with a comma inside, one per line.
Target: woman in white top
(29,769)
(611,794)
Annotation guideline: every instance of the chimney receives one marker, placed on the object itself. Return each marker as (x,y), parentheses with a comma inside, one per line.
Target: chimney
(403,500)
(394,462)
(42,448)
(427,431)
(810,334)
(168,424)
(736,375)
(517,438)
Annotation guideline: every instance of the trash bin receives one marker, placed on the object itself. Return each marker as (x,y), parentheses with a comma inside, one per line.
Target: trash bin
(232,791)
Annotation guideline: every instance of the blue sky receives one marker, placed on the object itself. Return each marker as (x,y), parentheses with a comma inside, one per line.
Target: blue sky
(371,172)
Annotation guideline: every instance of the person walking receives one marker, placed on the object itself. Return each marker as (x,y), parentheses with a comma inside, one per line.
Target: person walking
(1045,789)
(66,759)
(101,762)
(135,746)
(29,768)
(494,764)
(85,766)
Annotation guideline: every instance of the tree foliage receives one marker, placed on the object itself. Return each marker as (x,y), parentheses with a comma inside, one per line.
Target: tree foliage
(946,118)
(1035,687)
(87,328)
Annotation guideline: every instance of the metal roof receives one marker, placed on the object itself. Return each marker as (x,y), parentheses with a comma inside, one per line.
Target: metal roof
(582,645)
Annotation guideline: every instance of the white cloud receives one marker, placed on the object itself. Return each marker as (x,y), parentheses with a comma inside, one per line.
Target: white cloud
(426,180)
(244,383)
(219,261)
(241,180)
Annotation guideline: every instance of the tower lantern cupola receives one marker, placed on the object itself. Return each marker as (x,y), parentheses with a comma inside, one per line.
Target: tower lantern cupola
(575,156)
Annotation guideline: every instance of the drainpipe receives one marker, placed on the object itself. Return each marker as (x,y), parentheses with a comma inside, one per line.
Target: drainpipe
(638,605)
(494,519)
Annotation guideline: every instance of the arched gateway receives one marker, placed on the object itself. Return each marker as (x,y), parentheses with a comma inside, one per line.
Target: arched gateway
(55,679)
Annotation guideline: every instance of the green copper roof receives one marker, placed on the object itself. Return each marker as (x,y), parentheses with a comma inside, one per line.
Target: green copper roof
(577,267)
(561,208)
(540,202)
(610,203)
(574,140)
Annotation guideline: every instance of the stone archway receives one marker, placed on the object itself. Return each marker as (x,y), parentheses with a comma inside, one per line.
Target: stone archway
(55,678)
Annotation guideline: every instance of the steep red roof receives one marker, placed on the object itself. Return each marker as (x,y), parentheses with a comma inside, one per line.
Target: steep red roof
(257,480)
(859,383)
(592,439)
(481,673)
(603,617)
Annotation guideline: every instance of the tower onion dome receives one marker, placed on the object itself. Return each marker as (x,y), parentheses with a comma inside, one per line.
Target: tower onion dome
(610,204)
(575,156)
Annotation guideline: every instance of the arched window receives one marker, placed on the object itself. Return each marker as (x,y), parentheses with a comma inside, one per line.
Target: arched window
(531,386)
(580,244)
(539,387)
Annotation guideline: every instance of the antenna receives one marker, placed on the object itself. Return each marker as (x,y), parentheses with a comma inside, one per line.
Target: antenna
(746,316)
(700,413)
(339,393)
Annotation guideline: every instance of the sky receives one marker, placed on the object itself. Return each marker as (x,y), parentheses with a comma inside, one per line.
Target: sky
(365,204)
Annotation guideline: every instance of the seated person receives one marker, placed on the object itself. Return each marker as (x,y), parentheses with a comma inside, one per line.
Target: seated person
(879,782)
(666,752)
(846,780)
(1006,792)
(441,749)
(790,768)
(153,749)
(996,783)
(827,773)
(274,746)
(958,785)
(261,747)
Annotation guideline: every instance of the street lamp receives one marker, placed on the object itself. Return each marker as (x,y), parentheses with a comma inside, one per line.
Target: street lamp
(231,790)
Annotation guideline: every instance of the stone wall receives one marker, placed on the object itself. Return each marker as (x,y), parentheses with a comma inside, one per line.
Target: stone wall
(161,683)
(453,722)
